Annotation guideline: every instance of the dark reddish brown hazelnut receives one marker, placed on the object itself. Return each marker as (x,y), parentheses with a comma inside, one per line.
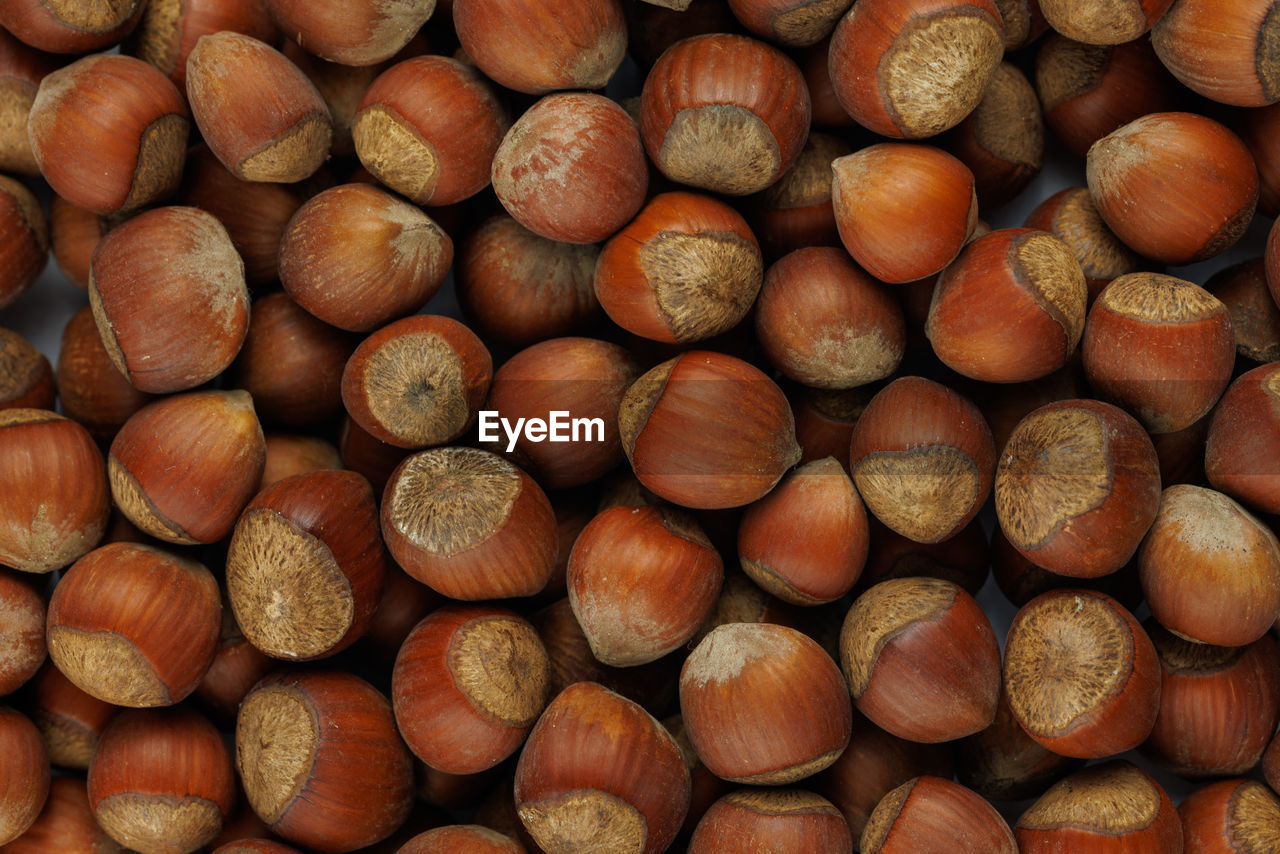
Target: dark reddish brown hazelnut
(468,685)
(236,667)
(25,249)
(785,819)
(26,377)
(342,87)
(705,788)
(91,388)
(321,761)
(1255,317)
(258,113)
(1082,677)
(1273,262)
(22,620)
(517,288)
(428,128)
(462,837)
(351,34)
(357,257)
(654,27)
(73,235)
(254,213)
(1087,91)
(1070,216)
(707,431)
(790,23)
(183,468)
(1023,22)
(879,194)
(806,541)
(922,659)
(555,409)
(469,524)
(962,559)
(362,452)
(825,106)
(25,784)
(404,602)
(600,772)
(641,580)
(1010,308)
(874,764)
(1175,187)
(1238,815)
(454,791)
(1110,807)
(724,113)
(825,419)
(161,780)
(685,269)
(824,322)
(914,69)
(417,381)
(65,824)
(922,458)
(22,67)
(290,454)
(124,111)
(933,814)
(796,210)
(572,168)
(1210,570)
(763,704)
(63,27)
(70,721)
(169,29)
(534,46)
(1219,706)
(1103,21)
(1222,50)
(1159,346)
(306,564)
(1002,140)
(109,638)
(291,363)
(1077,486)
(1240,447)
(254,846)
(1021,580)
(168,294)
(1003,763)
(56,499)
(1258,128)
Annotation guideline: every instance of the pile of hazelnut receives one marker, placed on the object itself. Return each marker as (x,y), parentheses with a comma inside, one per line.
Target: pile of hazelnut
(714,560)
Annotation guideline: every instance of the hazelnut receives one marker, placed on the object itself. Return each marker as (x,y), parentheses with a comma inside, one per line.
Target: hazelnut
(1221,50)
(534,46)
(598,772)
(258,113)
(161,780)
(357,257)
(21,630)
(469,524)
(65,824)
(641,580)
(1070,216)
(290,454)
(26,377)
(108,638)
(183,468)
(461,837)
(1255,317)
(70,27)
(25,784)
(169,29)
(1239,449)
(1239,814)
(908,69)
(572,168)
(417,381)
(796,210)
(305,565)
(963,559)
(56,499)
(1175,187)
(1161,347)
(1210,570)
(922,458)
(1082,677)
(73,235)
(92,390)
(763,704)
(469,683)
(70,721)
(127,114)
(825,419)
(784,819)
(1257,128)
(933,814)
(321,761)
(362,33)
(1002,140)
(707,431)
(25,249)
(1103,21)
(22,67)
(922,659)
(724,113)
(169,297)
